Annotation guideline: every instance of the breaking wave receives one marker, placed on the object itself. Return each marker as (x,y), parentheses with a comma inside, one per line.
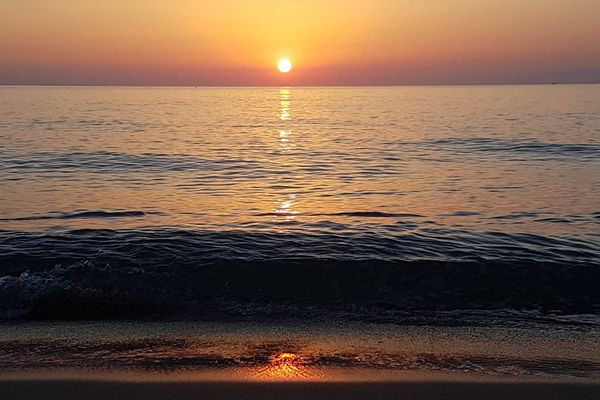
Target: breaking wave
(411,277)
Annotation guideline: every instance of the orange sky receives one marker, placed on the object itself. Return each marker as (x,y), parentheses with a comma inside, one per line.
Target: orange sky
(332,42)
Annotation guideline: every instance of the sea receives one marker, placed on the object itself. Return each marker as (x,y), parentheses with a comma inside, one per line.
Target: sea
(390,209)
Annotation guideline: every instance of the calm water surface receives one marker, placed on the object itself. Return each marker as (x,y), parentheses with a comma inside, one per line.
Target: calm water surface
(169,183)
(519,159)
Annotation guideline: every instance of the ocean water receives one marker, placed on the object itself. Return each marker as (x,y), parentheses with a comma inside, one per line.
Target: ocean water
(403,205)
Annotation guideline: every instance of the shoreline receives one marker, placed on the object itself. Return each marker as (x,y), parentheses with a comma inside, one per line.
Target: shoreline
(295,351)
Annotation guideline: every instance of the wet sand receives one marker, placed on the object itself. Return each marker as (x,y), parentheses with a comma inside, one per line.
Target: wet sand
(294,360)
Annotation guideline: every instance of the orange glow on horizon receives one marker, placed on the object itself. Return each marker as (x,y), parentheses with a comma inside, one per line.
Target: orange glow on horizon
(336,42)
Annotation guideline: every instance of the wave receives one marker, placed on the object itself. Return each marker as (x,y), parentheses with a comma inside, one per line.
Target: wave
(105,274)
(522,147)
(67,124)
(361,214)
(104,161)
(513,149)
(80,214)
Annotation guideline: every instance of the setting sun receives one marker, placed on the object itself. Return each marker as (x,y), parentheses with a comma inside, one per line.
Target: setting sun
(284,65)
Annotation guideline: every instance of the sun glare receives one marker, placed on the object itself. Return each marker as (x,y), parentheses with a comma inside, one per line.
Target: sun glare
(284,65)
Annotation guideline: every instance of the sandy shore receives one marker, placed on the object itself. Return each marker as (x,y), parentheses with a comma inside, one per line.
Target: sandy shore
(91,390)
(294,360)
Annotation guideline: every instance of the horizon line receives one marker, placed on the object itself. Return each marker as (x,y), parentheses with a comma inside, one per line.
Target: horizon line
(298,86)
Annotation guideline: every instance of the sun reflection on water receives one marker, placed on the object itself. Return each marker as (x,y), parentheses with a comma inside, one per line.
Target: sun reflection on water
(284,96)
(284,208)
(283,136)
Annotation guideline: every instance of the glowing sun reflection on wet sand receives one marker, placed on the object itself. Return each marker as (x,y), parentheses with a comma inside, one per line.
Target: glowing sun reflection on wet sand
(286,367)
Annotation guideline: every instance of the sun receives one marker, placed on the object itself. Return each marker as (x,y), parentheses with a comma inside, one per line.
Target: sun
(284,65)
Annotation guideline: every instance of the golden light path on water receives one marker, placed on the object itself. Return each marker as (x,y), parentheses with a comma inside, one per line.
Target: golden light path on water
(285,208)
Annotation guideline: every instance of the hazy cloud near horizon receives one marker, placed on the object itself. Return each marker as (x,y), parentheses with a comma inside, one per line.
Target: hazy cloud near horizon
(332,42)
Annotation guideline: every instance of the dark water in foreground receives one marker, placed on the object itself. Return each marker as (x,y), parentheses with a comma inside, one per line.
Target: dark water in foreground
(443,206)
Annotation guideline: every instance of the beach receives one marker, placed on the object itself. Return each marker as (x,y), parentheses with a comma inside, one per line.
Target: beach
(294,359)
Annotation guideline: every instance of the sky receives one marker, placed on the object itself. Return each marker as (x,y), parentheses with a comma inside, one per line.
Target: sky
(330,42)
